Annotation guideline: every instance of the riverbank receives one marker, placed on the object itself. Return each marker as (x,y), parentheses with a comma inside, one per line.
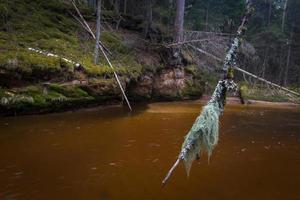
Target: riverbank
(43,81)
(253,102)
(153,105)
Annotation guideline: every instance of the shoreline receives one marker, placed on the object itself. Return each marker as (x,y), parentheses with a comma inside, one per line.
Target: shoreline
(260,103)
(203,100)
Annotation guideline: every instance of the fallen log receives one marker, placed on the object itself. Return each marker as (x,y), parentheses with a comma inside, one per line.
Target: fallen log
(76,64)
(246,72)
(204,134)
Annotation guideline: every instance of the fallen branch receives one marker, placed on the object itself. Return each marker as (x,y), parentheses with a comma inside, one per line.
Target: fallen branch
(54,55)
(205,52)
(204,134)
(266,81)
(185,42)
(246,72)
(211,33)
(87,28)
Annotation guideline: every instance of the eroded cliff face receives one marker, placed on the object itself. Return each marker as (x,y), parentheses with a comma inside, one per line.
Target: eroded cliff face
(166,84)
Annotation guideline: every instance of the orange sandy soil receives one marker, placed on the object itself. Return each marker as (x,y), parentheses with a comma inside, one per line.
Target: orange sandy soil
(235,100)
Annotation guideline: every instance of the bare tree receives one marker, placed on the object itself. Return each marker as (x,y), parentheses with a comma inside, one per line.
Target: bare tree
(96,51)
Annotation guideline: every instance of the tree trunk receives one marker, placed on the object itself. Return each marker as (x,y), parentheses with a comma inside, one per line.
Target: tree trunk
(286,72)
(96,52)
(117,6)
(148,17)
(206,17)
(179,20)
(282,46)
(284,15)
(270,13)
(125,7)
(92,3)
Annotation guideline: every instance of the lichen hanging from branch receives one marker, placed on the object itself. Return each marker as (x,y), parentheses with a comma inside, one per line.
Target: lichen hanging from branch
(204,134)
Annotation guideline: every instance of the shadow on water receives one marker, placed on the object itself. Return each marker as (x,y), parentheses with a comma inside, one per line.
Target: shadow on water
(109,153)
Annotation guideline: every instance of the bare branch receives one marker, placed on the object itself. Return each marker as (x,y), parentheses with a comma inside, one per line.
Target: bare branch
(103,52)
(170,172)
(246,72)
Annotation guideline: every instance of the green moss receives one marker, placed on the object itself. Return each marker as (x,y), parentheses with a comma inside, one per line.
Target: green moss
(261,92)
(114,41)
(50,28)
(192,69)
(30,64)
(193,90)
(69,91)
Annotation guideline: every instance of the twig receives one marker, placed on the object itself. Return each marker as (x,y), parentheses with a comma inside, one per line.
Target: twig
(170,172)
(204,52)
(103,52)
(185,42)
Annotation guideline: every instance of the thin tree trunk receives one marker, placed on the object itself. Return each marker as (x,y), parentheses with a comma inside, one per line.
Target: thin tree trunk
(265,63)
(270,12)
(206,16)
(118,12)
(148,6)
(286,72)
(179,20)
(282,46)
(117,6)
(96,52)
(280,63)
(284,15)
(125,7)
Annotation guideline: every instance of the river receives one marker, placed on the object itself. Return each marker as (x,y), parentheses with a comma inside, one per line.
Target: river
(108,153)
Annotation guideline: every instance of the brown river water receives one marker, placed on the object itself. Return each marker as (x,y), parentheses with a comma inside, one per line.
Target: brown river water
(109,153)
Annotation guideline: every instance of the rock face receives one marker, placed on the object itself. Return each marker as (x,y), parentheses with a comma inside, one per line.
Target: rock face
(105,90)
(167,84)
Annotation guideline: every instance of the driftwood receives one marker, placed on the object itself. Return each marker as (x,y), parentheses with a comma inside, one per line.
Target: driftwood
(89,30)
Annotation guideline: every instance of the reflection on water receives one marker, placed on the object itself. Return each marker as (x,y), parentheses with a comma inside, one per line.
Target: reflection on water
(110,154)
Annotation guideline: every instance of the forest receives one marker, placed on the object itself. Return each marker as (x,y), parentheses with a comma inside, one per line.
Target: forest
(97,97)
(153,46)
